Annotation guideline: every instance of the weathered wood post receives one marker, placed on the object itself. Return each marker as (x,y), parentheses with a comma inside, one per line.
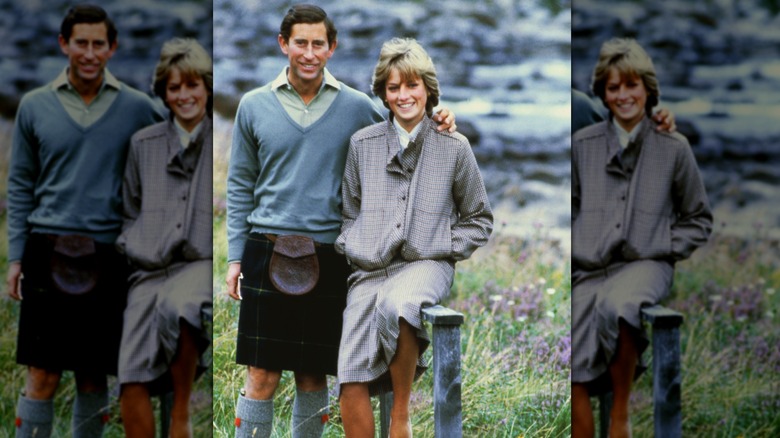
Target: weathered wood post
(447,406)
(605,407)
(385,405)
(446,370)
(667,380)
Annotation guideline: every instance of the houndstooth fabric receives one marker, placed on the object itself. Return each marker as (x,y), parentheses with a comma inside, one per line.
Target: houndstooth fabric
(428,202)
(599,301)
(408,216)
(654,209)
(167,237)
(375,303)
(634,213)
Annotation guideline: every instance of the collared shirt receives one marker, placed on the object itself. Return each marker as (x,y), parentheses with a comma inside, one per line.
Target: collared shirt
(302,113)
(405,137)
(625,137)
(80,112)
(185,137)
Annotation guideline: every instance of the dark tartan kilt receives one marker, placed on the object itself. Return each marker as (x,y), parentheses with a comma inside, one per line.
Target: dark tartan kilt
(66,332)
(282,332)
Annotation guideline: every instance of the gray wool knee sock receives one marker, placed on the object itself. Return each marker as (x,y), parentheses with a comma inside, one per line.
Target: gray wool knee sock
(89,414)
(254,418)
(310,413)
(34,418)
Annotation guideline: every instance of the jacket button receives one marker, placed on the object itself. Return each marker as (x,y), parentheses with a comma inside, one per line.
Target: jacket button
(398,225)
(617,226)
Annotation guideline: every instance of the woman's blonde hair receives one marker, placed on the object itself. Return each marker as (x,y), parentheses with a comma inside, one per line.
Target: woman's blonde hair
(191,59)
(629,59)
(410,60)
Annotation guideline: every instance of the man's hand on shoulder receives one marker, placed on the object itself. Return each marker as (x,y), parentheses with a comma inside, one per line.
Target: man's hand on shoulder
(13,278)
(446,120)
(665,121)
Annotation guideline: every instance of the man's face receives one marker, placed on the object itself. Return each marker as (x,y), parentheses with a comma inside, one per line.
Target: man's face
(88,52)
(308,51)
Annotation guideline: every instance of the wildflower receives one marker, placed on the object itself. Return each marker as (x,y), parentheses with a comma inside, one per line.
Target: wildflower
(496,298)
(510,303)
(550,314)
(770,291)
(522,318)
(550,291)
(716,298)
(541,281)
(741,318)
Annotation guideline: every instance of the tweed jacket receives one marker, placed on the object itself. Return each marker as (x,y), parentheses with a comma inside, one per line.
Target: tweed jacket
(428,202)
(167,198)
(656,210)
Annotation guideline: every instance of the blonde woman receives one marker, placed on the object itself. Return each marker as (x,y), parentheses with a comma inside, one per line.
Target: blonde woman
(414,203)
(167,238)
(638,206)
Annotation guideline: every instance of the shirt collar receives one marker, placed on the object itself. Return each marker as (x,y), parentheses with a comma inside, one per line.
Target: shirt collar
(405,137)
(185,138)
(62,80)
(625,137)
(281,80)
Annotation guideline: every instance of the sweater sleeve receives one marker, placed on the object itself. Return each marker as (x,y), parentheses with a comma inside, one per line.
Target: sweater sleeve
(22,176)
(694,218)
(475,218)
(243,171)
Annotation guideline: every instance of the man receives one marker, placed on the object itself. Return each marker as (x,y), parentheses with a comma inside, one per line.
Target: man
(290,142)
(68,155)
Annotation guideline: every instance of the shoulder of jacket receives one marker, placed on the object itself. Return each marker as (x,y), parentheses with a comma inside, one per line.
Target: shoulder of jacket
(673,139)
(596,130)
(371,131)
(152,132)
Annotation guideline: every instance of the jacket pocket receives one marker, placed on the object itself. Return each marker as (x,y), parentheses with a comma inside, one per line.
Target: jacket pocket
(429,236)
(367,241)
(649,236)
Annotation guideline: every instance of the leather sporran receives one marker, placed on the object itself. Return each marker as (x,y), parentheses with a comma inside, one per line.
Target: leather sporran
(294,268)
(74,264)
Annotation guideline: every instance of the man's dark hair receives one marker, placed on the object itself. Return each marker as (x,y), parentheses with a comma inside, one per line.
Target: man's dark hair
(308,14)
(87,14)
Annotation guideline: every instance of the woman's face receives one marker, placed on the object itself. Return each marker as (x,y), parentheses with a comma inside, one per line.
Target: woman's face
(187,98)
(626,98)
(406,99)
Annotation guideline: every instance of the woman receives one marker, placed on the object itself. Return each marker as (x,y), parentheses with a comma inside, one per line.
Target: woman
(167,238)
(414,203)
(638,206)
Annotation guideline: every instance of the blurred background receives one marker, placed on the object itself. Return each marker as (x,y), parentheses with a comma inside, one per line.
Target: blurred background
(503,66)
(30,56)
(718,64)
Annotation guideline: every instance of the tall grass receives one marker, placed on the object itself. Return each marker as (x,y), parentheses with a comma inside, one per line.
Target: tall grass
(12,375)
(515,340)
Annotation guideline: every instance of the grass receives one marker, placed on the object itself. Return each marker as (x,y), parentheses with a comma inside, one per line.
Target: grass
(12,375)
(515,344)
(509,388)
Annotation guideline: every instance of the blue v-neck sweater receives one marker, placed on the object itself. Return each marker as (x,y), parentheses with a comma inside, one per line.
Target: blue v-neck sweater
(65,178)
(286,179)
